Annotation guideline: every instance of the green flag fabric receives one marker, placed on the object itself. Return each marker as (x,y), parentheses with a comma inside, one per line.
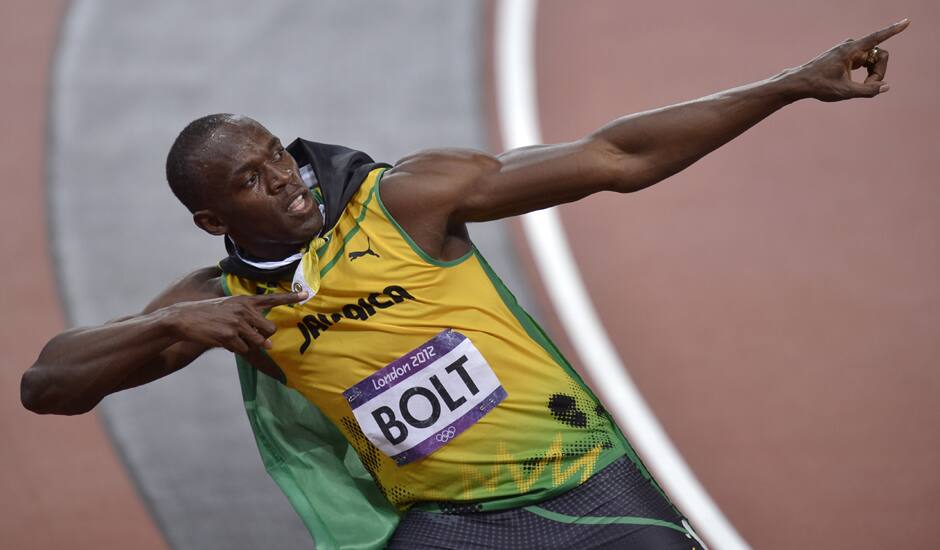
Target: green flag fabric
(315,466)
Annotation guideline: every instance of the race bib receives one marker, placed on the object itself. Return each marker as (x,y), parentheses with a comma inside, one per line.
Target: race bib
(425,398)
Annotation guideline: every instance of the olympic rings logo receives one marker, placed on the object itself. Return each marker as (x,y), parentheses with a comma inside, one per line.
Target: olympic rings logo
(446,434)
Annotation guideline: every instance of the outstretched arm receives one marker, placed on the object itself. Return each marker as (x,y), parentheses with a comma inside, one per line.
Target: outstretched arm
(654,145)
(628,154)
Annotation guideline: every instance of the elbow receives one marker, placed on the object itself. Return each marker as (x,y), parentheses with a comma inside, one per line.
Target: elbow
(43,390)
(38,396)
(30,393)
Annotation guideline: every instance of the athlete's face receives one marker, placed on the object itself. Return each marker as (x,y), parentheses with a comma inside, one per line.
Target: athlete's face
(255,193)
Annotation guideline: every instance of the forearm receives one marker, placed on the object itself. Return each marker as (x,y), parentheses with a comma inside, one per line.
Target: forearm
(79,367)
(657,144)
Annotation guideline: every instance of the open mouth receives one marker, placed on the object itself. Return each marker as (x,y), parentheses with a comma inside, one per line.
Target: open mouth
(300,204)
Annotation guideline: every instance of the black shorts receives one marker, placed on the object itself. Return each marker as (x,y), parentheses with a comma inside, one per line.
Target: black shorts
(616,508)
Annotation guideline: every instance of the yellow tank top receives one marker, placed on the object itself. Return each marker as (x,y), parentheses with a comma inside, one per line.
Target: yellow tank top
(447,390)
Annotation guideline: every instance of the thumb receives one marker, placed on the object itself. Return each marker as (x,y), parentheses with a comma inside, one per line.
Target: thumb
(868,89)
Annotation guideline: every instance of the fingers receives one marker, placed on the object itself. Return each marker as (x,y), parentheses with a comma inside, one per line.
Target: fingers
(242,338)
(262,327)
(253,327)
(859,52)
(876,72)
(248,327)
(235,343)
(279,299)
(250,335)
(878,37)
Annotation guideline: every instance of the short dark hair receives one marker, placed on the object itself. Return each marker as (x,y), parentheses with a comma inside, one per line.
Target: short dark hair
(182,162)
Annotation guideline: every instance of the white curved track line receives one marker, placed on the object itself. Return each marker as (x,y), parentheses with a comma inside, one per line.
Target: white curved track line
(519,126)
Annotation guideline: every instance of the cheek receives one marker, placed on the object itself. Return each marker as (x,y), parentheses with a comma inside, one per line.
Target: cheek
(261,212)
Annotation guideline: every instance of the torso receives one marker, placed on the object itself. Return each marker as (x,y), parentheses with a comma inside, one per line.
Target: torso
(493,412)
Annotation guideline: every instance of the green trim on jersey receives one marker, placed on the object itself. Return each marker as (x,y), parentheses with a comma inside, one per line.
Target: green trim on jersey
(346,238)
(407,238)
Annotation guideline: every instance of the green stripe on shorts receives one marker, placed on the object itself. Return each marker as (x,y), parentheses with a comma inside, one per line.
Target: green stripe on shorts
(602,520)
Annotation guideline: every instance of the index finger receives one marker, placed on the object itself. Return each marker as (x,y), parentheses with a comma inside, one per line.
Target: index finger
(279,299)
(878,37)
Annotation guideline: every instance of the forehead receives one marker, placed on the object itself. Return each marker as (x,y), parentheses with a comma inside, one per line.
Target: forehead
(242,135)
(234,145)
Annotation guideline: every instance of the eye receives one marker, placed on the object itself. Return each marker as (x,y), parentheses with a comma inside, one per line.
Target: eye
(278,155)
(252,180)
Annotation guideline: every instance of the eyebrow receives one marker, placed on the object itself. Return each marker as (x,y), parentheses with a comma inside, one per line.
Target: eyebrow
(251,164)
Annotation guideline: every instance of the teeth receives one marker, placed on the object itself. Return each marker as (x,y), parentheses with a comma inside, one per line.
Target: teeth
(297,203)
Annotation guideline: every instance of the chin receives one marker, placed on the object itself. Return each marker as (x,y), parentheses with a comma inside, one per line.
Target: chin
(299,230)
(308,231)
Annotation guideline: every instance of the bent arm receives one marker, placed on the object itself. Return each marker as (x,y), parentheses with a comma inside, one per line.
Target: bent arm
(79,367)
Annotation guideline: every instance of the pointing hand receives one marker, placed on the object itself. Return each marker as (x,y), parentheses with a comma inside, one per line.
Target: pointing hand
(828,77)
(235,323)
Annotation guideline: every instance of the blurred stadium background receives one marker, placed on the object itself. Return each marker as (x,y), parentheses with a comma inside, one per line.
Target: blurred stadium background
(778,304)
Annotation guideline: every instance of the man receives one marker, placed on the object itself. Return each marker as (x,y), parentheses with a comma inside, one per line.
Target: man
(356,285)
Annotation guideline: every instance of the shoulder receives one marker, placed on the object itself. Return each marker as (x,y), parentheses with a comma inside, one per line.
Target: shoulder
(201,284)
(424,190)
(449,162)
(437,178)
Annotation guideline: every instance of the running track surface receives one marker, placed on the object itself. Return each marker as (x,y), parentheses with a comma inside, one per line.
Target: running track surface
(63,487)
(777,303)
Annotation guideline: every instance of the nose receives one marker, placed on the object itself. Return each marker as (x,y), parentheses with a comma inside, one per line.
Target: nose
(279,178)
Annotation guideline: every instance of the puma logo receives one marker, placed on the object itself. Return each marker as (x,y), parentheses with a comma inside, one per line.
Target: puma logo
(361,253)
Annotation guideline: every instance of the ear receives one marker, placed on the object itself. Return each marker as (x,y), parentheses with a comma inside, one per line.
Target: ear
(209,222)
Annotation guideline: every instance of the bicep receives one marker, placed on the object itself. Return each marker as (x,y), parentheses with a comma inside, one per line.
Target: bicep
(202,284)
(537,177)
(479,187)
(433,194)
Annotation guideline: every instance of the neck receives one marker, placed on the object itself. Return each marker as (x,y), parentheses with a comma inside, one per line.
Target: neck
(267,251)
